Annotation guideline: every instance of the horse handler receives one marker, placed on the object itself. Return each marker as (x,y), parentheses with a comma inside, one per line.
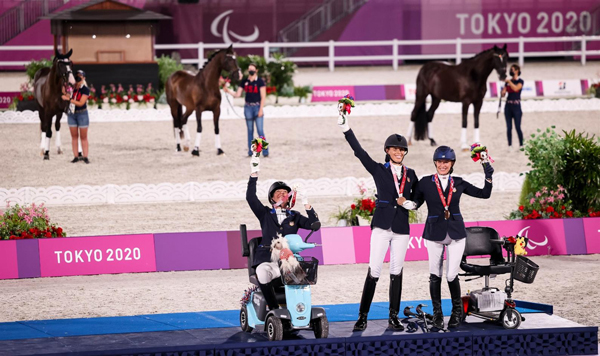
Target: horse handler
(78,117)
(396,185)
(445,228)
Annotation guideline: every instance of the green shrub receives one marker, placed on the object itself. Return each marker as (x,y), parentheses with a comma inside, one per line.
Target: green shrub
(581,170)
(34,66)
(166,67)
(281,75)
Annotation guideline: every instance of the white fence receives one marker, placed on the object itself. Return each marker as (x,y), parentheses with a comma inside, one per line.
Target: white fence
(207,191)
(331,59)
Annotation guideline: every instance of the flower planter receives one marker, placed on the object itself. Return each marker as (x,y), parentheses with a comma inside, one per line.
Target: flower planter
(27,105)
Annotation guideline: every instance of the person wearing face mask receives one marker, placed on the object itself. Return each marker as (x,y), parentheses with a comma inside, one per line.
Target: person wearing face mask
(396,186)
(275,219)
(256,93)
(78,118)
(512,109)
(445,228)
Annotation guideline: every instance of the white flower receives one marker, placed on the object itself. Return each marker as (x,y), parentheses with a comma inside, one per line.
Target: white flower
(130,100)
(151,100)
(113,100)
(125,97)
(105,100)
(140,97)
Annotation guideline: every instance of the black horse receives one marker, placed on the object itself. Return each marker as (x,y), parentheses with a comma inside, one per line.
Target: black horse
(199,93)
(464,83)
(49,84)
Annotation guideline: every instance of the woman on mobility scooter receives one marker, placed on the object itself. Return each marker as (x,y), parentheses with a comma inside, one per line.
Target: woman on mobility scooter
(445,228)
(390,229)
(277,219)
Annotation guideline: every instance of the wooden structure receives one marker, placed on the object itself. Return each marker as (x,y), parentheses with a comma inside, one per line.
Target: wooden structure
(106,31)
(111,41)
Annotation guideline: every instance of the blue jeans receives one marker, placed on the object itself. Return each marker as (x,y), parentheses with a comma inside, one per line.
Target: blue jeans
(251,114)
(79,119)
(512,111)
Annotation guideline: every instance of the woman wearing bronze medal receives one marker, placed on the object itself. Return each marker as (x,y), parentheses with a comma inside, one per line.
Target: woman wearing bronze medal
(389,228)
(445,228)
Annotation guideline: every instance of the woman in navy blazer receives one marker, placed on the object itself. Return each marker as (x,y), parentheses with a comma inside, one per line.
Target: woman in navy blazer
(390,229)
(445,228)
(276,219)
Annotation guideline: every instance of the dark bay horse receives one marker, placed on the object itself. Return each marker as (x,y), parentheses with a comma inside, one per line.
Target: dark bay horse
(49,84)
(199,92)
(464,83)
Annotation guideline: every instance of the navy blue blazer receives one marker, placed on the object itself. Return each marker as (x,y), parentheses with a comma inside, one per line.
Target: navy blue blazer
(387,211)
(436,226)
(270,226)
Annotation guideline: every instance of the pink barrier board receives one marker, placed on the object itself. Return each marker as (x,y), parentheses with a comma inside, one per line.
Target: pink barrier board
(97,255)
(591,227)
(546,235)
(9,267)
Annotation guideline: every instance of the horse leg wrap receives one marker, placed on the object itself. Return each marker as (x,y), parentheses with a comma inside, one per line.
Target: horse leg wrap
(196,150)
(186,134)
(429,130)
(58,143)
(47,144)
(476,135)
(43,141)
(411,126)
(176,132)
(463,138)
(217,141)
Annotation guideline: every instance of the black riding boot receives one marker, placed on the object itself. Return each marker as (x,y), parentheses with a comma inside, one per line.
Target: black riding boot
(457,306)
(365,302)
(395,297)
(435,290)
(269,295)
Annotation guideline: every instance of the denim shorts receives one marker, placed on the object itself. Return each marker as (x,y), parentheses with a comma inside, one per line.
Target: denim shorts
(79,119)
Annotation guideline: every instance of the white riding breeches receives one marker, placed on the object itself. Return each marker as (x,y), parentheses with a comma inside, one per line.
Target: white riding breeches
(380,241)
(267,271)
(454,252)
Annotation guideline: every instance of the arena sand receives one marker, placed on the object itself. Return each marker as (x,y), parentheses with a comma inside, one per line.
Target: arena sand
(128,153)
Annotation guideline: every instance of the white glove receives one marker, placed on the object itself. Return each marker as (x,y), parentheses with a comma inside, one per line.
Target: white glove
(409,205)
(301,194)
(254,164)
(342,119)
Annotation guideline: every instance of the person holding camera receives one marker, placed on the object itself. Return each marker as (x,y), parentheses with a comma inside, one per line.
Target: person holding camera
(512,109)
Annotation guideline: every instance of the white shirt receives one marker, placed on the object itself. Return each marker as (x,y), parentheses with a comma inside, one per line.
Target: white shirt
(444,180)
(281,215)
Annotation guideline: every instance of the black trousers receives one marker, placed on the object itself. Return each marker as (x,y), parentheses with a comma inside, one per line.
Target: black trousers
(513,111)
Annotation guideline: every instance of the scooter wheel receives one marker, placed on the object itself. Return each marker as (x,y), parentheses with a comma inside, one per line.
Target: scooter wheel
(244,320)
(510,318)
(274,328)
(321,327)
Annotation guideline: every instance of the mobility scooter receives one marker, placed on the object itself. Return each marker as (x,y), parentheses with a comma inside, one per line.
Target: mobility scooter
(297,312)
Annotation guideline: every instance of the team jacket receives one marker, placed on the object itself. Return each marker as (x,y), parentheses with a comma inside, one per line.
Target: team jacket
(436,226)
(388,214)
(270,226)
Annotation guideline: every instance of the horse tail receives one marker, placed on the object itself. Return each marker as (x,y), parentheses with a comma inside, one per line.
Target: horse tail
(420,119)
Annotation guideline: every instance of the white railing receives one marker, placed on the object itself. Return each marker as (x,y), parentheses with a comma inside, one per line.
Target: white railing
(331,59)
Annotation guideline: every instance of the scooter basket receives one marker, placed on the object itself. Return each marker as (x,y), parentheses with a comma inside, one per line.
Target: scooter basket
(525,270)
(310,267)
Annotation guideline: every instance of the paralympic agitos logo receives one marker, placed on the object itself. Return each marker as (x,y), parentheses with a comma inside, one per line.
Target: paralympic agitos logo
(532,244)
(224,32)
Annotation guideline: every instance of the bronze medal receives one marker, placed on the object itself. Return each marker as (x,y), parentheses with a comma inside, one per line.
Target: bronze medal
(400,200)
(447,214)
(454,190)
(408,179)
(291,223)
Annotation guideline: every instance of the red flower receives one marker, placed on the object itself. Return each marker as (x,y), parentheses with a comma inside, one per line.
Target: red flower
(59,231)
(20,97)
(570,213)
(353,206)
(12,237)
(521,208)
(549,209)
(563,207)
(48,234)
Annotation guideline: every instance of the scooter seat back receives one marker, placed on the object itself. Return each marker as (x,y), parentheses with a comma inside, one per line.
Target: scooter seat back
(252,246)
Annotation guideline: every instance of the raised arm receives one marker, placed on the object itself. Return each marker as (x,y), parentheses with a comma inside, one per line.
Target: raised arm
(257,207)
(486,192)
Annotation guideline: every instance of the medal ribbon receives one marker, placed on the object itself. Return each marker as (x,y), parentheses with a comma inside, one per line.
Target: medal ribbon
(401,190)
(439,188)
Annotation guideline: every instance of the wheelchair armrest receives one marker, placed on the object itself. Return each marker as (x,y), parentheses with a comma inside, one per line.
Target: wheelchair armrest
(244,237)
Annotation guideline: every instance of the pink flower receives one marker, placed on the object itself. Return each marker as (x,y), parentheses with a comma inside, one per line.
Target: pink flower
(561,196)
(551,200)
(532,201)
(552,192)
(544,190)
(538,194)
(561,188)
